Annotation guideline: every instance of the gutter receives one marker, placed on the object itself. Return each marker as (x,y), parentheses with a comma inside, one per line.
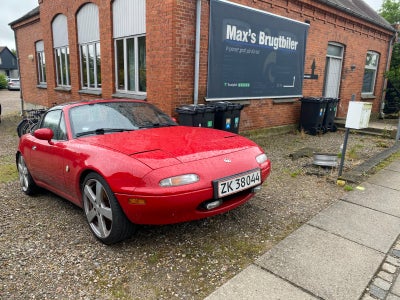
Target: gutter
(19,75)
(197,54)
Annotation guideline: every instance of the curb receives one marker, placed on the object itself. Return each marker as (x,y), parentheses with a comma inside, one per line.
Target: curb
(358,174)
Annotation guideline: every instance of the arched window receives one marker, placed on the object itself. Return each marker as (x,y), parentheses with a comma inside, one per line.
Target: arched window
(89,46)
(61,50)
(129,32)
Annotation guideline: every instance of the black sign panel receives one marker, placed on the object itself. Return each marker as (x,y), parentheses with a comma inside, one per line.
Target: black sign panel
(254,54)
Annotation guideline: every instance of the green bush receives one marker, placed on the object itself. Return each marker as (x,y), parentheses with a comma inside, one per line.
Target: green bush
(3,81)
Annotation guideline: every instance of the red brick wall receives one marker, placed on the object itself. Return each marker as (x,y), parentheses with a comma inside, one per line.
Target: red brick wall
(48,11)
(326,25)
(160,53)
(27,35)
(170,40)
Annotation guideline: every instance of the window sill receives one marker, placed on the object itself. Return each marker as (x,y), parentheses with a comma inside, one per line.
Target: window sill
(368,96)
(130,96)
(42,86)
(287,100)
(63,89)
(90,92)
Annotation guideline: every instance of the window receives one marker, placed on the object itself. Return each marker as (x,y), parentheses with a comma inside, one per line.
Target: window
(370,71)
(62,66)
(90,65)
(129,30)
(61,51)
(131,64)
(89,46)
(55,121)
(41,62)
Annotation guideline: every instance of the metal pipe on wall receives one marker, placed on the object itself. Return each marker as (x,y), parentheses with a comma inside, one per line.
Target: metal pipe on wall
(19,74)
(197,54)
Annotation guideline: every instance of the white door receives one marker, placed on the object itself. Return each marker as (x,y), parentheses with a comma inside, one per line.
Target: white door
(333,71)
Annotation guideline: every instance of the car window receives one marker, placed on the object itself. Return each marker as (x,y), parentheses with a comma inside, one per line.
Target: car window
(107,117)
(55,121)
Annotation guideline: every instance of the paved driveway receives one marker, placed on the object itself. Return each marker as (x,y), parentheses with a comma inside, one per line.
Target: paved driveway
(10,102)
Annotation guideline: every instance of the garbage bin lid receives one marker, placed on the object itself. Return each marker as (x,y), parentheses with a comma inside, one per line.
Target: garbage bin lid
(190,109)
(225,105)
(313,99)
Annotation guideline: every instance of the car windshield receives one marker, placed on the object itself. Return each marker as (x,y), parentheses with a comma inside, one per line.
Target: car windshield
(108,117)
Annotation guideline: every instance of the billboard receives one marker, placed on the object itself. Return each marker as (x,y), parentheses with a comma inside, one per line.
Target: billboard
(254,54)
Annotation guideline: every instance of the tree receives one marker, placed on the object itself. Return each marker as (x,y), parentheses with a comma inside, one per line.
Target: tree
(390,11)
(394,72)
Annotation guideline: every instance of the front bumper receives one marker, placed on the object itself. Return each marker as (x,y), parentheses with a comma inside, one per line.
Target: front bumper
(181,207)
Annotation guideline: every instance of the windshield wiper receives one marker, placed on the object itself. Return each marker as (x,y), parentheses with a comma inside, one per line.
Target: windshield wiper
(156,125)
(100,131)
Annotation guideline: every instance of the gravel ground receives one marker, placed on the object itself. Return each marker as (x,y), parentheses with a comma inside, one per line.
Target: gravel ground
(48,252)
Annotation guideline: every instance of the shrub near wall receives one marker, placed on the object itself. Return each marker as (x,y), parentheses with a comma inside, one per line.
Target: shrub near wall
(3,81)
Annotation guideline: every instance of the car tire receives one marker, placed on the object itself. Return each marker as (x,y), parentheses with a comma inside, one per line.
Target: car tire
(28,185)
(105,216)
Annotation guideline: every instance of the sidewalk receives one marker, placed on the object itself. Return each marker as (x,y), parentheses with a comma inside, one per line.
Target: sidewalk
(351,250)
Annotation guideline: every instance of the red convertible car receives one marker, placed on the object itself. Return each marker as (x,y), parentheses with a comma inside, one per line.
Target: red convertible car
(125,162)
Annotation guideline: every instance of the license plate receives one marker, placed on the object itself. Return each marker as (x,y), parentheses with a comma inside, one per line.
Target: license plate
(233,184)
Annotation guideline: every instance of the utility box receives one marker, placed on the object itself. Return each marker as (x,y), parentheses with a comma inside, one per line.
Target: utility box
(358,115)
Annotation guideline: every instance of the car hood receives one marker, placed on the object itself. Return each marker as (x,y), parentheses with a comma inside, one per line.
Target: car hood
(166,146)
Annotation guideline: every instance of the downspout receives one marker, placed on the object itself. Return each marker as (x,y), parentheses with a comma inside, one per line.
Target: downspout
(388,59)
(197,54)
(19,74)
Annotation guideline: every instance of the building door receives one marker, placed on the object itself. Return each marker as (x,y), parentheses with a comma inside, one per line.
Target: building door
(333,70)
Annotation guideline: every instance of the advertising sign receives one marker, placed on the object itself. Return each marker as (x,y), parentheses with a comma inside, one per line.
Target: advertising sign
(254,54)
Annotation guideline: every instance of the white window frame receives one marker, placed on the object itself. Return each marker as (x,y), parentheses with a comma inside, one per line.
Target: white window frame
(41,63)
(89,35)
(97,53)
(63,79)
(129,22)
(60,45)
(374,69)
(126,66)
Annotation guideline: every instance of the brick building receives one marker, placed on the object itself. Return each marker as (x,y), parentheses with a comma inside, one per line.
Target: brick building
(146,49)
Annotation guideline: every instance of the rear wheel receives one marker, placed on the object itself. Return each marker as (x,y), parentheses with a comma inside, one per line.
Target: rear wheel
(28,186)
(106,219)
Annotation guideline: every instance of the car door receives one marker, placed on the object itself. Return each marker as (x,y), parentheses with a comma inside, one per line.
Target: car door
(47,158)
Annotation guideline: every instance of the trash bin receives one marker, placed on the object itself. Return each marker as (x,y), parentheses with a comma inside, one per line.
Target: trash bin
(227,116)
(330,114)
(312,115)
(196,115)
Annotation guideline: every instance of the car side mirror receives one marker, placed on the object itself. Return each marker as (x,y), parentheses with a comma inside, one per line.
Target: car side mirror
(45,134)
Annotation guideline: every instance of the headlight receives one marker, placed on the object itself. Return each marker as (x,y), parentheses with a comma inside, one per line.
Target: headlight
(179,180)
(262,158)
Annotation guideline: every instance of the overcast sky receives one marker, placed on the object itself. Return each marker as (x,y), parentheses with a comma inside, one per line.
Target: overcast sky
(11,10)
